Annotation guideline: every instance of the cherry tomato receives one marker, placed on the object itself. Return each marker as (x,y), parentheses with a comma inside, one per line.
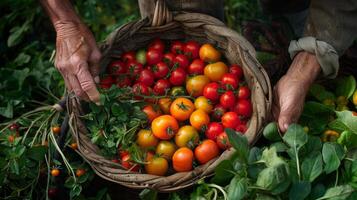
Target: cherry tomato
(215,71)
(177,47)
(243,108)
(181,109)
(181,61)
(177,91)
(145,139)
(128,56)
(218,112)
(187,136)
(164,104)
(123,81)
(11,138)
(123,153)
(56,129)
(55,172)
(14,127)
(209,54)
(242,128)
(230,120)
(237,71)
(211,91)
(223,141)
(196,67)
(165,149)
(191,49)
(106,82)
(151,112)
(206,151)
(178,76)
(182,159)
(243,92)
(74,146)
(153,56)
(199,119)
(115,160)
(116,68)
(134,68)
(141,56)
(169,59)
(164,127)
(146,77)
(213,130)
(80,172)
(196,84)
(204,104)
(230,81)
(127,164)
(160,70)
(161,86)
(157,44)
(156,165)
(228,99)
(140,89)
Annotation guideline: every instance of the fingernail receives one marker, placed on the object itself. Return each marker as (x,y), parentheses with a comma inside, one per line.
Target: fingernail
(286,126)
(96,79)
(97,103)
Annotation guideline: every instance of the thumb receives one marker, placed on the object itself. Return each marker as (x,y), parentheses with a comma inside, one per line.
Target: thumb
(284,121)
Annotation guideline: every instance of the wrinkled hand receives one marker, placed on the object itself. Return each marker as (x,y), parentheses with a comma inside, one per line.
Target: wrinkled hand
(291,89)
(77,59)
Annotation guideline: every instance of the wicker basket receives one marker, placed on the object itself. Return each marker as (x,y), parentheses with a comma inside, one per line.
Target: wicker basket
(183,26)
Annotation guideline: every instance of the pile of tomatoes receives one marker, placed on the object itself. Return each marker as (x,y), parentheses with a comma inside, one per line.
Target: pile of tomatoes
(191,96)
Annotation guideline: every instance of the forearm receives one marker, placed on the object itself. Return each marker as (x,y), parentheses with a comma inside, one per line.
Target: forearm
(304,68)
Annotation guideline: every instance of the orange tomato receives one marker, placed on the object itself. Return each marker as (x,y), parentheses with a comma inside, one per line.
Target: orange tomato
(182,159)
(223,141)
(146,139)
(215,71)
(164,104)
(199,119)
(187,136)
(165,149)
(55,172)
(209,54)
(151,112)
(156,165)
(204,104)
(196,84)
(56,129)
(80,172)
(206,151)
(11,138)
(181,109)
(74,146)
(164,127)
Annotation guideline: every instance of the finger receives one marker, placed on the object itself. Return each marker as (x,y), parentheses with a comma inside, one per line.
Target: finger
(275,106)
(94,66)
(87,83)
(76,87)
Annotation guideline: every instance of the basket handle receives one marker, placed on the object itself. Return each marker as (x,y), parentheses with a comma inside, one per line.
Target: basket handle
(162,14)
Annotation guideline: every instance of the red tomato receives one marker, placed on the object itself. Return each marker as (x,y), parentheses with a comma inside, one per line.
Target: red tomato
(236,70)
(181,61)
(134,68)
(228,99)
(230,81)
(206,151)
(218,112)
(177,47)
(123,81)
(213,130)
(106,82)
(160,70)
(191,49)
(243,108)
(169,59)
(196,67)
(211,91)
(242,128)
(161,86)
(127,164)
(223,141)
(243,92)
(141,89)
(14,127)
(157,44)
(123,153)
(146,77)
(153,56)
(128,56)
(116,68)
(230,120)
(178,77)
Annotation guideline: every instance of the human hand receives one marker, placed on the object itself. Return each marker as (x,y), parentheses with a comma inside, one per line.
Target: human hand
(291,89)
(77,59)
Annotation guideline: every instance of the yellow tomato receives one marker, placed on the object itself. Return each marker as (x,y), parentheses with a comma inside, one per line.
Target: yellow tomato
(146,139)
(165,149)
(354,98)
(204,104)
(187,136)
(209,54)
(196,84)
(199,119)
(215,71)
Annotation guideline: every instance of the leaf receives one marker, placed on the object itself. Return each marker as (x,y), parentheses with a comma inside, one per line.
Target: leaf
(316,116)
(345,86)
(295,136)
(75,191)
(338,193)
(300,190)
(222,173)
(320,93)
(21,59)
(7,111)
(312,166)
(313,144)
(37,153)
(271,132)
(239,143)
(348,139)
(317,191)
(70,182)
(238,188)
(347,118)
(279,146)
(337,125)
(19,150)
(332,155)
(270,157)
(21,75)
(14,167)
(147,194)
(272,177)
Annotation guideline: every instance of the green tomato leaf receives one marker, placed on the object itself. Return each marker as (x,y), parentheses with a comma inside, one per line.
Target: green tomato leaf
(300,190)
(332,155)
(75,191)
(274,177)
(238,188)
(295,136)
(347,118)
(223,173)
(239,143)
(338,193)
(312,166)
(14,167)
(345,86)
